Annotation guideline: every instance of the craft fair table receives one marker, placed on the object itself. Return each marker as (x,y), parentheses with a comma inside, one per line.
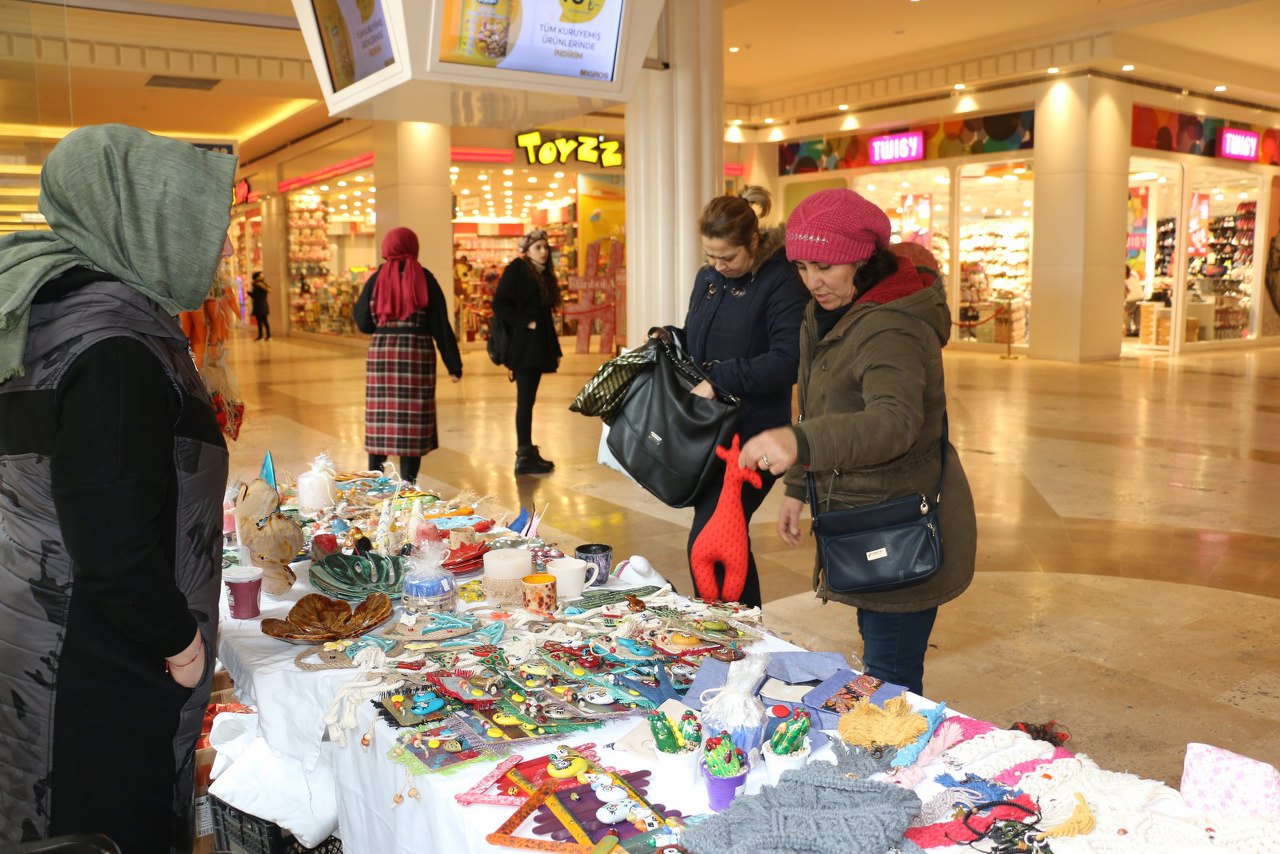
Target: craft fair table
(292,703)
(961,763)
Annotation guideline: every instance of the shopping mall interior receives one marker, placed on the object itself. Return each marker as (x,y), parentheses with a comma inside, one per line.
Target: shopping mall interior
(1100,184)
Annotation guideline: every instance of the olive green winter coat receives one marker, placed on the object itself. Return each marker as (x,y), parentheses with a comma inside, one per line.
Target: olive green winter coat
(873,400)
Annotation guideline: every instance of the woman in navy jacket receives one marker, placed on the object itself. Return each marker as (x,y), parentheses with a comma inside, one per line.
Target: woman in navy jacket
(743,329)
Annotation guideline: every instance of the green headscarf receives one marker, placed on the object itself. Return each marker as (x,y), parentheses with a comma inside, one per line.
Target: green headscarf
(149,211)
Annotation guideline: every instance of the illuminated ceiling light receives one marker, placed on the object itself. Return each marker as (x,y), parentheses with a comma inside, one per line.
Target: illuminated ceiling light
(906,183)
(1126,67)
(736,122)
(488,195)
(1219,197)
(486,188)
(1163,180)
(342,183)
(465,191)
(342,196)
(360,178)
(550,194)
(1219,88)
(768,121)
(506,183)
(734,49)
(342,207)
(333,210)
(1026,203)
(573,191)
(553,185)
(1243,196)
(359,204)
(871,188)
(454,169)
(506,192)
(528,197)
(533,179)
(959,87)
(775,135)
(508,171)
(843,107)
(324,188)
(984,210)
(357,193)
(1052,69)
(968,209)
(482,177)
(559,175)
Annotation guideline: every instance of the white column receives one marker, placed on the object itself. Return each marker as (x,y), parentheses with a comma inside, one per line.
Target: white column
(675,154)
(1083,127)
(411,168)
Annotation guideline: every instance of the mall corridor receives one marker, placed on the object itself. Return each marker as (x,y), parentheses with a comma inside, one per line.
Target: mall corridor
(1127,554)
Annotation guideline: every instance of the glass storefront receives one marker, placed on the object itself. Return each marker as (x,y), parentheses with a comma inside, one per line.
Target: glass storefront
(995,215)
(1192,231)
(331,251)
(918,202)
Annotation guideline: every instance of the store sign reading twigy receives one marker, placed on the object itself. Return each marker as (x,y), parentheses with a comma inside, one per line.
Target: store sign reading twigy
(596,150)
(897,148)
(1236,144)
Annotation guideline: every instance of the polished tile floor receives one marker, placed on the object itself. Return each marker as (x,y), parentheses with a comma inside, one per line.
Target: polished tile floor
(1129,542)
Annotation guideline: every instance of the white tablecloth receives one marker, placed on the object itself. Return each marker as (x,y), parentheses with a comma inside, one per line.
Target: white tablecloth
(292,703)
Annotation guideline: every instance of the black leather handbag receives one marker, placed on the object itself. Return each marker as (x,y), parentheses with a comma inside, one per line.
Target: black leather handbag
(665,437)
(885,546)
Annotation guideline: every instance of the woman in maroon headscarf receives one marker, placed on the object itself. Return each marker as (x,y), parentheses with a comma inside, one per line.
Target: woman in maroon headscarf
(403,306)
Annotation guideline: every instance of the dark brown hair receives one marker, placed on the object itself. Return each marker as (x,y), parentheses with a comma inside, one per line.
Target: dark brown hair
(735,218)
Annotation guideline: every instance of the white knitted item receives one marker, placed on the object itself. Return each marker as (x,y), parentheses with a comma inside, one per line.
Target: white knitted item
(966,753)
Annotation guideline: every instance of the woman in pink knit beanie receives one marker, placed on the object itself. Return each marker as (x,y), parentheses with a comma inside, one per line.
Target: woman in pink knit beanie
(874,405)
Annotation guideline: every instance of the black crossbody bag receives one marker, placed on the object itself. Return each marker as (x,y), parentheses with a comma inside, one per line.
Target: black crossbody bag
(882,547)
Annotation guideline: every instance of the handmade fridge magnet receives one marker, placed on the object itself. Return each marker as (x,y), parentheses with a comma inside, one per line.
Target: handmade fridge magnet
(432,749)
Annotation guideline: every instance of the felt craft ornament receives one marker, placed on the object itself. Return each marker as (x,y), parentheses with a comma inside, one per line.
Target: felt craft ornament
(724,541)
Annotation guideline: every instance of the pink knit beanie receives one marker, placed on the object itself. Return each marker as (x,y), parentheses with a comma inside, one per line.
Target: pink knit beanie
(836,227)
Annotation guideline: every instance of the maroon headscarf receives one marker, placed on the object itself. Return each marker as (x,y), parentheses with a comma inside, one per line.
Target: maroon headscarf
(399,293)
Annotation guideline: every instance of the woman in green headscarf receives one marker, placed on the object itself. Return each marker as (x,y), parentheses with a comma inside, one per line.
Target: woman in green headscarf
(112,471)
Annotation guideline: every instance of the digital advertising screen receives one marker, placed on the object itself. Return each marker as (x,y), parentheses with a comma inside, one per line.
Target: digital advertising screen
(567,38)
(355,38)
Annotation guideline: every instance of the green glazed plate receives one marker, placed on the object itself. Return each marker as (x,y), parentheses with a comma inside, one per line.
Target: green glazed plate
(353,578)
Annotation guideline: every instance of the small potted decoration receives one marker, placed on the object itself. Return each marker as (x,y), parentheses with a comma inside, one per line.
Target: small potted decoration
(677,744)
(724,767)
(789,747)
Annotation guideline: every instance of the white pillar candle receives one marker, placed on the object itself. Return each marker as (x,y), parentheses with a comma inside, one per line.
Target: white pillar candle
(507,564)
(315,491)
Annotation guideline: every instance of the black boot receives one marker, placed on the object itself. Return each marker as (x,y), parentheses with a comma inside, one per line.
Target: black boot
(529,461)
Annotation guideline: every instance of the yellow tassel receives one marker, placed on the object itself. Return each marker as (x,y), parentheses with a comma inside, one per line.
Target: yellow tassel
(868,725)
(1079,823)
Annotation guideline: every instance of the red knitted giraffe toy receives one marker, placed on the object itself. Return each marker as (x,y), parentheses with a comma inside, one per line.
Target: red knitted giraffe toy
(724,539)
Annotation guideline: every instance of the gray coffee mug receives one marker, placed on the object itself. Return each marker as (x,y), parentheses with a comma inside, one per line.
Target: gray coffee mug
(600,555)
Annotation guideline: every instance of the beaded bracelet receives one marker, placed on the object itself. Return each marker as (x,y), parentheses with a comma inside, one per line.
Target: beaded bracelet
(199,650)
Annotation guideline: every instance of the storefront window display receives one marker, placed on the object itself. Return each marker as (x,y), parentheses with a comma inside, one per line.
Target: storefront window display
(918,202)
(246,258)
(996,213)
(331,251)
(1151,247)
(1221,229)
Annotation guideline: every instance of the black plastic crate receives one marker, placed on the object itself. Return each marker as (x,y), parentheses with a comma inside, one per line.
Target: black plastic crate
(237,832)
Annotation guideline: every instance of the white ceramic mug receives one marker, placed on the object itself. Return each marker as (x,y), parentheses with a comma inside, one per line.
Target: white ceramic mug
(572,575)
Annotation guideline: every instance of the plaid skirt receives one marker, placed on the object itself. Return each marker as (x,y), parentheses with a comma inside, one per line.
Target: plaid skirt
(400,395)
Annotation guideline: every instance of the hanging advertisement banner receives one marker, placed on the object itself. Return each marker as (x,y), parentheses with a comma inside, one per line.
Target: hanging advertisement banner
(916,223)
(1198,225)
(1136,244)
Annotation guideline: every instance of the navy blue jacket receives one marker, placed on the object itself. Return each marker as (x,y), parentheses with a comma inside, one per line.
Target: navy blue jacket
(749,345)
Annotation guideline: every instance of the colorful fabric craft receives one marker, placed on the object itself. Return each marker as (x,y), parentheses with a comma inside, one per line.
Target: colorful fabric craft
(723,541)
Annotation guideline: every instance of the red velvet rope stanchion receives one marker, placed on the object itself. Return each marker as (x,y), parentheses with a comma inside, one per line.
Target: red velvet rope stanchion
(971,324)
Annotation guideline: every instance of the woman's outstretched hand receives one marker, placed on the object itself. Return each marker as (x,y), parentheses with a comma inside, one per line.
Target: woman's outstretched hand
(789,520)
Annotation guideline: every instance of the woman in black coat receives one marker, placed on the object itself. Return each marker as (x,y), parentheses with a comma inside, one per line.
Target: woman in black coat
(258,294)
(743,329)
(526,297)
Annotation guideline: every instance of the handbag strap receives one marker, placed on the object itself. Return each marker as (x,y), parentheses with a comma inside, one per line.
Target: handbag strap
(942,450)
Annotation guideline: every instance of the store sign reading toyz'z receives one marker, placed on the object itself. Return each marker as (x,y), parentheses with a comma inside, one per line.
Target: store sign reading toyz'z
(595,150)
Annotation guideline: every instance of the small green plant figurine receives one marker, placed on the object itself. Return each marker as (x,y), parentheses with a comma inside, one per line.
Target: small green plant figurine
(788,738)
(665,738)
(722,758)
(691,730)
